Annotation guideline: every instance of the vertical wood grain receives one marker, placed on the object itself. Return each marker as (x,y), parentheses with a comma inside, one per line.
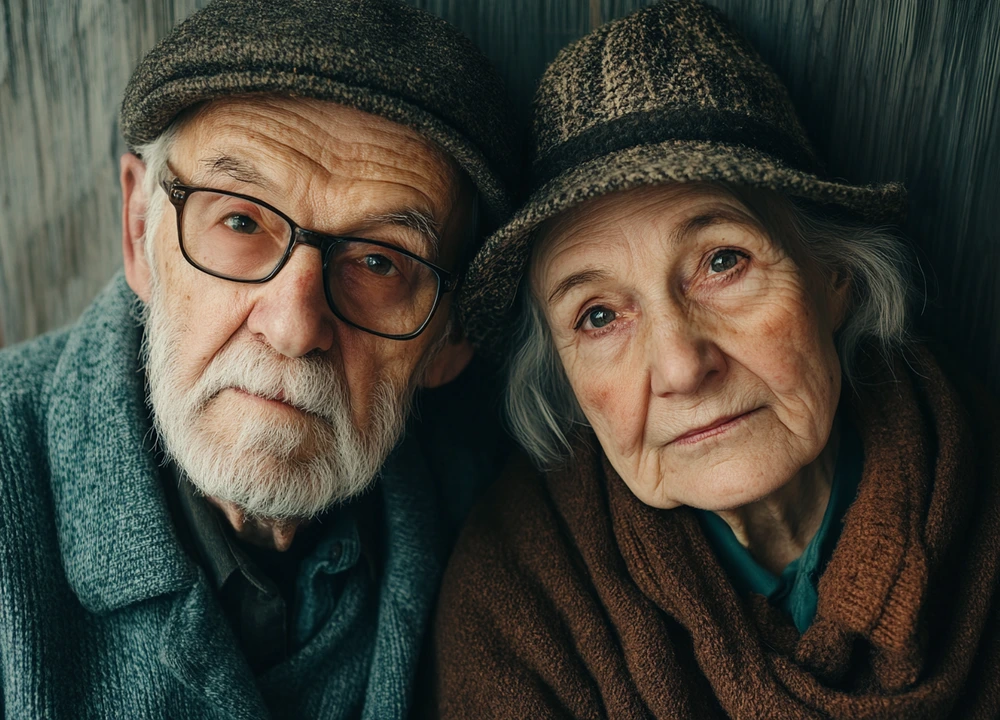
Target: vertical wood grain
(595,13)
(63,68)
(895,89)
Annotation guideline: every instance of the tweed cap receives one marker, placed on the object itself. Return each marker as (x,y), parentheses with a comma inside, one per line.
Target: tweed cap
(379,56)
(670,93)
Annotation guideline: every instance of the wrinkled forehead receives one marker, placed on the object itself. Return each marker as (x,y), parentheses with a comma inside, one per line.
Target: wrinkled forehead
(666,210)
(301,142)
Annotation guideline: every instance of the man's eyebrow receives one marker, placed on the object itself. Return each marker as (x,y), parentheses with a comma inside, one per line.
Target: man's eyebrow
(244,171)
(412,219)
(576,279)
(231,166)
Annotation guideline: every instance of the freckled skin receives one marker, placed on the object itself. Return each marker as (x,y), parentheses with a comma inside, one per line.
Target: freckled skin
(688,347)
(327,167)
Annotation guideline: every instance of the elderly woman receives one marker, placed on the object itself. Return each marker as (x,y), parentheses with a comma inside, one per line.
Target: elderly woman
(762,499)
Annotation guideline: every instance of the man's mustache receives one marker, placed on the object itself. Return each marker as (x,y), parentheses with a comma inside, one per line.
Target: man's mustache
(310,385)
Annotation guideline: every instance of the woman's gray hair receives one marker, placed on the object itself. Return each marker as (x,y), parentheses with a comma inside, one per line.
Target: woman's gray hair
(541,408)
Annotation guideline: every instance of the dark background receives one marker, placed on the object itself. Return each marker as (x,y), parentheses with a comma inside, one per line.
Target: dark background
(888,89)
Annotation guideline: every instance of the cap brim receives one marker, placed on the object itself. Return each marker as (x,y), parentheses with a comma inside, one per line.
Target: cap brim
(491,284)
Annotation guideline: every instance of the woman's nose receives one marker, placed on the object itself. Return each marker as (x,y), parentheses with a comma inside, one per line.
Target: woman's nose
(681,358)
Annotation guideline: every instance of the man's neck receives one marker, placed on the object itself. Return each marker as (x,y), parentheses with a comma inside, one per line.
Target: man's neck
(262,532)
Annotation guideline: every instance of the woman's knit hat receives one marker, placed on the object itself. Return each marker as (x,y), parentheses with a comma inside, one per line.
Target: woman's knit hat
(379,56)
(671,93)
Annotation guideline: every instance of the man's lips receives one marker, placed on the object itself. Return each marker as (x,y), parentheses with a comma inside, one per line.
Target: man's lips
(716,427)
(278,399)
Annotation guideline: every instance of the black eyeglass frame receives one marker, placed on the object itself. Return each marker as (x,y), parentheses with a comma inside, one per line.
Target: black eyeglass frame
(178,194)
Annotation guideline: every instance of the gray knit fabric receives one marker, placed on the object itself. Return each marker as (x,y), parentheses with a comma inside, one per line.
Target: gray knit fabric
(380,56)
(102,613)
(671,93)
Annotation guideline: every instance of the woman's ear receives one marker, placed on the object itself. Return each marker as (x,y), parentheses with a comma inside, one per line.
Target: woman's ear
(134,206)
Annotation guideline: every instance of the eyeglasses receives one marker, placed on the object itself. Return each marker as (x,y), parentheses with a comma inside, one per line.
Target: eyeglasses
(374,286)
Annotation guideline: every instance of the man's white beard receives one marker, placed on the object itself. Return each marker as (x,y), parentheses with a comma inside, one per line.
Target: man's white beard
(271,464)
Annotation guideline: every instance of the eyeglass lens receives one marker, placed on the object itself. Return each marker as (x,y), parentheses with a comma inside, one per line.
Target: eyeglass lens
(369,285)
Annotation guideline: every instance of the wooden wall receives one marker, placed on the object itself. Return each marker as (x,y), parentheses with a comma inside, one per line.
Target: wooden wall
(889,89)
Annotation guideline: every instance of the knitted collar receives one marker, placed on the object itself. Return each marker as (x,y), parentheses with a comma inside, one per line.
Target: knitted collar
(117,541)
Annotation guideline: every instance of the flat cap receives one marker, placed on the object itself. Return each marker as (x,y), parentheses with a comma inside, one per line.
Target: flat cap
(378,56)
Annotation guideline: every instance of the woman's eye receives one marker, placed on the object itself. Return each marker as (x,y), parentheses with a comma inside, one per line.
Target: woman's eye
(379,264)
(241,224)
(599,317)
(724,260)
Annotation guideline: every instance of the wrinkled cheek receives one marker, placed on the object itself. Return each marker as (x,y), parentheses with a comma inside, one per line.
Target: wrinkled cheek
(614,409)
(786,377)
(176,305)
(789,350)
(807,380)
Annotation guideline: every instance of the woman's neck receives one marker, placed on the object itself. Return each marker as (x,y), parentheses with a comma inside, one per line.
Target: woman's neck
(777,528)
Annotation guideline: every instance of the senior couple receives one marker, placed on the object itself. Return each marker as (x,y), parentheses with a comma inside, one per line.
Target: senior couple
(743,489)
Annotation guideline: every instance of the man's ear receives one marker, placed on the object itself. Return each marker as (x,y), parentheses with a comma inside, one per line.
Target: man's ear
(449,362)
(134,205)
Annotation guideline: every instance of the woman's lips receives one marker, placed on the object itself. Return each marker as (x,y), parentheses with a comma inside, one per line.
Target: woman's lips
(720,426)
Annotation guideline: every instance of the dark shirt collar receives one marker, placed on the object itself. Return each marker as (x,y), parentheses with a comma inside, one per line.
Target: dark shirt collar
(347,533)
(274,601)
(219,552)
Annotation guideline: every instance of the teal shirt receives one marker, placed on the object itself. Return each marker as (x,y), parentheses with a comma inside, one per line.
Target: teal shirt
(795,590)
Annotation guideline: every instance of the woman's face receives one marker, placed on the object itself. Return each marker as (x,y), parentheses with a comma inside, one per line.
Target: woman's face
(699,351)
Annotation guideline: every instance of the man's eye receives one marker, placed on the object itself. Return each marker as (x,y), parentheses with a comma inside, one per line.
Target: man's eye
(379,264)
(599,317)
(240,224)
(724,260)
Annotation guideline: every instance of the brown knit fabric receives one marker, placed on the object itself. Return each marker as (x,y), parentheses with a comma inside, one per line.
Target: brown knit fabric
(568,597)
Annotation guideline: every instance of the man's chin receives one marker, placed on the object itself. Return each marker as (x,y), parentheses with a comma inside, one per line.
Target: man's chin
(276,488)
(274,431)
(274,469)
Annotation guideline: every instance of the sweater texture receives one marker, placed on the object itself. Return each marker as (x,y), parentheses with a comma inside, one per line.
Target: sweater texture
(568,597)
(104,615)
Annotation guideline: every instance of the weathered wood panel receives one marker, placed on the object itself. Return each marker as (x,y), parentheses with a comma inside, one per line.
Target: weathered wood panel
(63,67)
(892,89)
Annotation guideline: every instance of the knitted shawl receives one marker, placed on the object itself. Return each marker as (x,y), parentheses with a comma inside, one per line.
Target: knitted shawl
(568,597)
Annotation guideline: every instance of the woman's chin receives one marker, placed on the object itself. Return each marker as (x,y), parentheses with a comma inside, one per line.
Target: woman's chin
(720,482)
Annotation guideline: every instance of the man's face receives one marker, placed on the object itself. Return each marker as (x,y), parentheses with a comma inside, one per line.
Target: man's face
(260,393)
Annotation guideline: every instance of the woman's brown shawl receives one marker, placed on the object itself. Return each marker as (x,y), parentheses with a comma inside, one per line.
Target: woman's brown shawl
(569,597)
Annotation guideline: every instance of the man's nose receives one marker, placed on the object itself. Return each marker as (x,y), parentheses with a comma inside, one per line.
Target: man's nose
(291,312)
(681,357)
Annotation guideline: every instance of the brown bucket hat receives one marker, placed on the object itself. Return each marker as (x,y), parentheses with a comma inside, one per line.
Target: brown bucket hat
(671,93)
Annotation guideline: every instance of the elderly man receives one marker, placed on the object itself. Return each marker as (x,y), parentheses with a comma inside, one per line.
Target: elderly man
(190,522)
